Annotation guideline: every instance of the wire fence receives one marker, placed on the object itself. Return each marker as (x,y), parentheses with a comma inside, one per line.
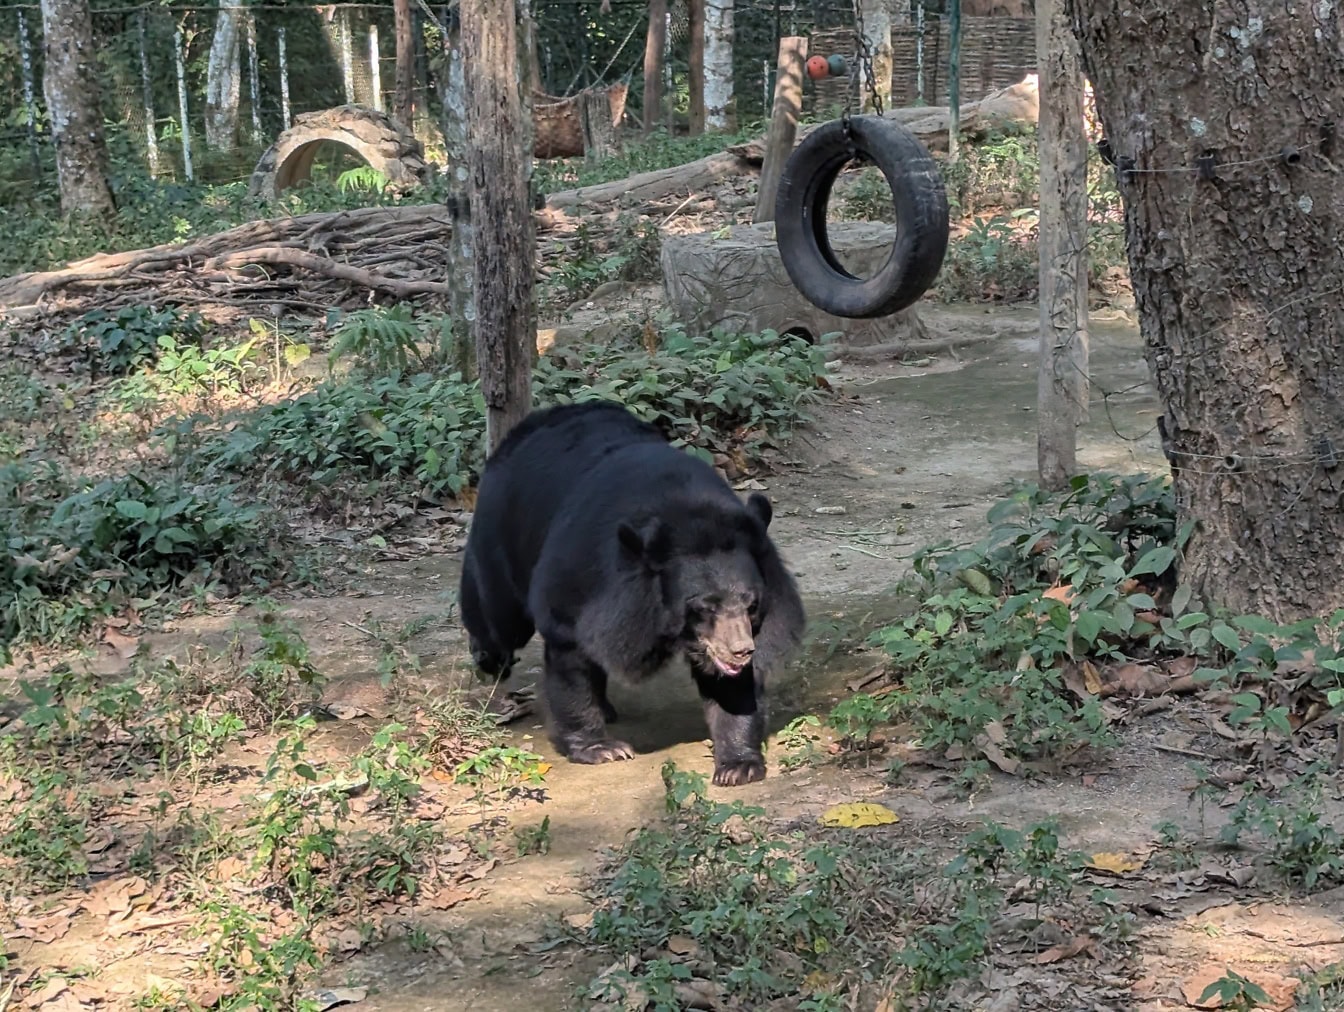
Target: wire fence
(294,58)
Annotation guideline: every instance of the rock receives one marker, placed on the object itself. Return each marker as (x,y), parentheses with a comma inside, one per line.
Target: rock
(737,281)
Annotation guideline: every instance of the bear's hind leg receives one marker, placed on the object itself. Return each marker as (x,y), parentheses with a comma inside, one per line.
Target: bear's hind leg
(575,691)
(735,712)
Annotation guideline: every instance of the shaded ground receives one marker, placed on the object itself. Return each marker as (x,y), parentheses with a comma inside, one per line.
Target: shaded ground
(912,454)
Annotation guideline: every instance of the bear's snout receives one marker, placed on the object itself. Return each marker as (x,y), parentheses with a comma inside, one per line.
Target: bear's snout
(730,643)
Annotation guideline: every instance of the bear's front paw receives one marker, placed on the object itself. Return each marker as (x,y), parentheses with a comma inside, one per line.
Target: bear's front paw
(605,751)
(737,772)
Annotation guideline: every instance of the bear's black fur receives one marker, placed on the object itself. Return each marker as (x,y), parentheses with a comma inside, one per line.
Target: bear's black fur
(623,552)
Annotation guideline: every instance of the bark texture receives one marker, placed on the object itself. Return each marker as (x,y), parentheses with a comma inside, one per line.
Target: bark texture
(71,86)
(505,238)
(695,70)
(1235,271)
(1062,391)
(403,108)
(718,64)
(877,33)
(654,43)
(462,243)
(223,78)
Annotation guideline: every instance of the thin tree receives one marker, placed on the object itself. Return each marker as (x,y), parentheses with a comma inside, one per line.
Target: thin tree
(403,97)
(71,86)
(1062,388)
(498,191)
(1221,124)
(654,42)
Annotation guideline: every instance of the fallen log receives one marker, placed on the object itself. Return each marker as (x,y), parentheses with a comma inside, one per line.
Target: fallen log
(647,186)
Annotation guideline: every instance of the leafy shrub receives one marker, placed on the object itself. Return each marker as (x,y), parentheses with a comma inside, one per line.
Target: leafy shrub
(114,343)
(75,548)
(1061,582)
(706,393)
(996,260)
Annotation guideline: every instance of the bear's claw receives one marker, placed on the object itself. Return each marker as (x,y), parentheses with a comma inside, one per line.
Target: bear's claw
(606,751)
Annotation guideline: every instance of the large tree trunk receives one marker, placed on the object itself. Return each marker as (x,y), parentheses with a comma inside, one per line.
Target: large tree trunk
(498,190)
(403,107)
(718,64)
(71,85)
(1226,112)
(654,43)
(223,74)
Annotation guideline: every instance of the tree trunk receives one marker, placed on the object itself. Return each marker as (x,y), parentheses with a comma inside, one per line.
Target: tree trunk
(718,64)
(500,207)
(223,74)
(789,70)
(403,97)
(1226,113)
(877,32)
(1061,396)
(461,265)
(70,82)
(654,43)
(695,70)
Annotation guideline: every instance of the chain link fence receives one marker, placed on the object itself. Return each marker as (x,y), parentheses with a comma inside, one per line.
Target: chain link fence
(294,58)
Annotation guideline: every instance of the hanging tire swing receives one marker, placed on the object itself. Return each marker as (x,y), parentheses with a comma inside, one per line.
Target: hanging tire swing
(921,217)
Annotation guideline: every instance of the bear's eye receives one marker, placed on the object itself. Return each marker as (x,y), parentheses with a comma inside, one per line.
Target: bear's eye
(753,606)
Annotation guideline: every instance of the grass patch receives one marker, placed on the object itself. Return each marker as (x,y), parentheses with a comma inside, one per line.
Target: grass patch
(717,903)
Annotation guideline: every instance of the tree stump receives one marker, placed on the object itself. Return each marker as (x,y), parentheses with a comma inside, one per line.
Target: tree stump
(599,127)
(739,283)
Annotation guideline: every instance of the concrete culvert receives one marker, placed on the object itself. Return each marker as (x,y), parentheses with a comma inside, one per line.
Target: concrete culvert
(376,138)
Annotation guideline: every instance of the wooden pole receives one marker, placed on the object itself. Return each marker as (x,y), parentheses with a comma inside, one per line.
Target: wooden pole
(1062,385)
(783,123)
(501,214)
(953,77)
(654,42)
(696,66)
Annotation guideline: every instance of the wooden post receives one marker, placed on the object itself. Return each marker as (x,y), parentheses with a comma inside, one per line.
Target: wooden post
(953,77)
(653,63)
(695,75)
(501,214)
(783,123)
(1062,385)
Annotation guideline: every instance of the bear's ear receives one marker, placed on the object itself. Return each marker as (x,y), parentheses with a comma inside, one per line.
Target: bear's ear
(759,506)
(646,544)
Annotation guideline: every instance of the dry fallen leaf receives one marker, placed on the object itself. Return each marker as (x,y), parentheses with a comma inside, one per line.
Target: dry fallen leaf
(450,896)
(122,645)
(43,929)
(1067,950)
(1138,680)
(1114,862)
(1063,594)
(857,815)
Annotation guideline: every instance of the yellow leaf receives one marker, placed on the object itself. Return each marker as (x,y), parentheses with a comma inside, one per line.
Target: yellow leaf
(1115,863)
(857,814)
(543,769)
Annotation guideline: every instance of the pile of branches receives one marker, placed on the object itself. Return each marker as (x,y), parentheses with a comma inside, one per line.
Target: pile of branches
(309,262)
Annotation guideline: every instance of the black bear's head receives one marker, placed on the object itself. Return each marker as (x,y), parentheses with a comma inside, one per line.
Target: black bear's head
(707,564)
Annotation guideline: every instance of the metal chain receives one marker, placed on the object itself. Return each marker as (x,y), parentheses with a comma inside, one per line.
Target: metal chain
(864,58)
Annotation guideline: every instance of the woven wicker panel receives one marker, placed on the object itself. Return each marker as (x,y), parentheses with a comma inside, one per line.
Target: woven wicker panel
(995,52)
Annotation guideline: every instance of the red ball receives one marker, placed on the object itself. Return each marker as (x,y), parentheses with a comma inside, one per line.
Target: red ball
(817,67)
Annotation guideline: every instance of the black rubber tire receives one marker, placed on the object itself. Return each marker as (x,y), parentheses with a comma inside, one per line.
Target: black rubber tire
(921,218)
